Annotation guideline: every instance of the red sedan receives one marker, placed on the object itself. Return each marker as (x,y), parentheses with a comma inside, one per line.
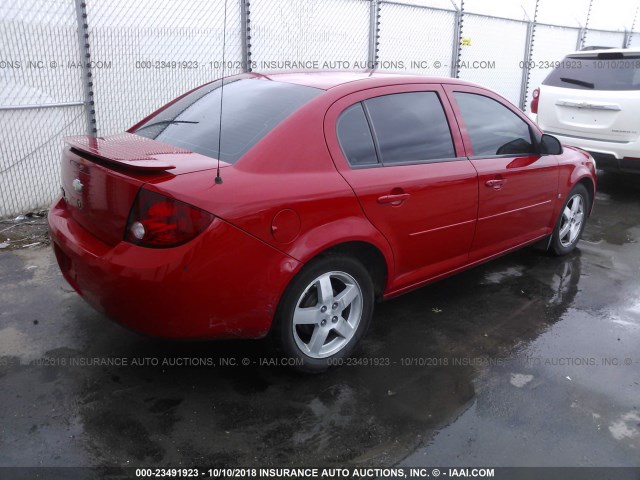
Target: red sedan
(334,190)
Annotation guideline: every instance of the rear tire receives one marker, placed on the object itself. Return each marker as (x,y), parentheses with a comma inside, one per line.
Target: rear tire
(324,313)
(571,222)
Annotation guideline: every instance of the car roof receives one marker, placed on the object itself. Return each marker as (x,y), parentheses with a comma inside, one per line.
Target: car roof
(605,50)
(326,80)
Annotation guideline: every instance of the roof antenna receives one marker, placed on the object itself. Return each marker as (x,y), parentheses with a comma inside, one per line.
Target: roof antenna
(224,46)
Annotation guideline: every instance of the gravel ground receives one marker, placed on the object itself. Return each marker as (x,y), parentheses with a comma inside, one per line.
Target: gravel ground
(25,231)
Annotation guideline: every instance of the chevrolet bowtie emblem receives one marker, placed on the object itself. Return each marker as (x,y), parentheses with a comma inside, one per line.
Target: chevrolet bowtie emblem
(77,185)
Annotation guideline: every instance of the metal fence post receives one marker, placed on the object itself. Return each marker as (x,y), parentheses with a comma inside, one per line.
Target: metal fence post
(245,35)
(580,36)
(528,50)
(457,34)
(374,33)
(87,74)
(629,34)
(457,39)
(528,57)
(585,30)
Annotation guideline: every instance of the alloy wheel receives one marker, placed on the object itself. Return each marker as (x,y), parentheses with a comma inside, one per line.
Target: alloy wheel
(571,221)
(327,314)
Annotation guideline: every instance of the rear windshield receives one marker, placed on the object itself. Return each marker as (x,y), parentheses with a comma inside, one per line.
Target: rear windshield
(251,108)
(605,71)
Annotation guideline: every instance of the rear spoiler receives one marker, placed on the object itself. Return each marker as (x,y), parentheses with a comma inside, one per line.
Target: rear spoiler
(127,150)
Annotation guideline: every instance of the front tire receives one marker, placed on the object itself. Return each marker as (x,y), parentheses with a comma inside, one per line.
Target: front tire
(325,311)
(571,221)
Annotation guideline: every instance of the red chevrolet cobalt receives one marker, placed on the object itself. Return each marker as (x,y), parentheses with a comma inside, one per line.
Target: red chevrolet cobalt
(334,190)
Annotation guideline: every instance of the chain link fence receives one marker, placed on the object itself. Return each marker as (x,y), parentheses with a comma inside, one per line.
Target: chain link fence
(71,67)
(550,44)
(294,35)
(485,36)
(425,50)
(601,38)
(144,57)
(41,99)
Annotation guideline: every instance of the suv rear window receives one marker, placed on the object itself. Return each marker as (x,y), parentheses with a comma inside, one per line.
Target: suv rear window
(251,108)
(604,71)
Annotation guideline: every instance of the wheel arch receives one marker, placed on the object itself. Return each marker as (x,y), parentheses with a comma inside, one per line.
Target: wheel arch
(588,183)
(354,236)
(371,258)
(579,172)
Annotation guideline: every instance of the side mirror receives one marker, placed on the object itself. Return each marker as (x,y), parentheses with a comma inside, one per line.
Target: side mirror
(550,145)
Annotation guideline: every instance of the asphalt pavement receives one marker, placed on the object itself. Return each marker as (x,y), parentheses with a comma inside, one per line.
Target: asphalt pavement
(527,360)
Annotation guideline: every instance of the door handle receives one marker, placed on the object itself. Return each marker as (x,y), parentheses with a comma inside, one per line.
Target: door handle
(393,199)
(496,183)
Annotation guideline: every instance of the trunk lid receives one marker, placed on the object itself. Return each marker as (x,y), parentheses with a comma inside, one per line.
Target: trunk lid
(101,177)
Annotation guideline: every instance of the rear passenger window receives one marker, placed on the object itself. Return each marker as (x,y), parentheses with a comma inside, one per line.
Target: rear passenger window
(410,127)
(355,137)
(493,128)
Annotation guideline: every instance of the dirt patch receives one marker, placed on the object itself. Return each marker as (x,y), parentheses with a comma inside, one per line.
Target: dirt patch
(29,230)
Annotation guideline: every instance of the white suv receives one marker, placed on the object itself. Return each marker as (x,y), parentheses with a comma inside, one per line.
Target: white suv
(592,100)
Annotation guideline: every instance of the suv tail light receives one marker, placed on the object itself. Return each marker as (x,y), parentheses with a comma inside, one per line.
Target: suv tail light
(158,221)
(536,99)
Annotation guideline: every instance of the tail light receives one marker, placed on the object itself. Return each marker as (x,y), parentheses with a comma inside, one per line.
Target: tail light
(536,99)
(157,221)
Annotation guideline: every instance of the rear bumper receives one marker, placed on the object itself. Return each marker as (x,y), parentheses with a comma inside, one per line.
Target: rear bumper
(223,284)
(621,157)
(609,162)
